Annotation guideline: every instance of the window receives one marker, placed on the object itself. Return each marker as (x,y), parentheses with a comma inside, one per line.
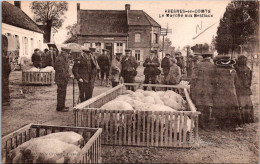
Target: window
(137,38)
(119,47)
(155,38)
(98,47)
(25,46)
(39,45)
(32,46)
(86,45)
(137,55)
(17,42)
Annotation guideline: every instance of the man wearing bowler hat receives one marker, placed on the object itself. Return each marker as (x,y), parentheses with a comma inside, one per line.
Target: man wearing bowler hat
(225,103)
(85,71)
(129,65)
(62,76)
(104,63)
(151,70)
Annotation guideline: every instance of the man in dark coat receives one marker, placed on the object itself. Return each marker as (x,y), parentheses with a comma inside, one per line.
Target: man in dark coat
(85,71)
(129,65)
(225,104)
(190,65)
(62,76)
(49,57)
(36,58)
(203,92)
(104,63)
(180,60)
(151,70)
(243,90)
(166,65)
(6,70)
(196,60)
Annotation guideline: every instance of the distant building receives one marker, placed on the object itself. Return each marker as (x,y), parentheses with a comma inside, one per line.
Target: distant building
(22,32)
(117,30)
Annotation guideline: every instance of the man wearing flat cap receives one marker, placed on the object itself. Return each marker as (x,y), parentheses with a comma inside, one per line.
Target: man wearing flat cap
(151,70)
(62,76)
(203,92)
(85,71)
(104,63)
(129,65)
(36,58)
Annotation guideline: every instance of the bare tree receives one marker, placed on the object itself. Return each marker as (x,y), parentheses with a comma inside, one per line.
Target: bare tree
(49,13)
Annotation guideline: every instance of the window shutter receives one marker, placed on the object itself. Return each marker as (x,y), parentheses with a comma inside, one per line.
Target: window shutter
(124,46)
(102,46)
(115,50)
(141,56)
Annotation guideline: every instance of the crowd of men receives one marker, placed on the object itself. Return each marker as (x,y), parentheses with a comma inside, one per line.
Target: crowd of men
(121,68)
(219,87)
(42,59)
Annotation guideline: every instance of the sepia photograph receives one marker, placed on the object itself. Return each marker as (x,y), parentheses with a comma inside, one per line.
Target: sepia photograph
(130,81)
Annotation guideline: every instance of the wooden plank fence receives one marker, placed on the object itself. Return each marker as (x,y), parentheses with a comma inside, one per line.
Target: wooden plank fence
(139,128)
(40,78)
(90,151)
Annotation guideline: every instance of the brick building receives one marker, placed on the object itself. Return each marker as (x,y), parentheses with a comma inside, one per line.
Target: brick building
(117,30)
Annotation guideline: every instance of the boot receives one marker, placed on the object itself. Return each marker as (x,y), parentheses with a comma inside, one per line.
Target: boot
(101,82)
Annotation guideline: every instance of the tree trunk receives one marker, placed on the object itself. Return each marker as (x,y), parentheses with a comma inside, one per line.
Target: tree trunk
(47,35)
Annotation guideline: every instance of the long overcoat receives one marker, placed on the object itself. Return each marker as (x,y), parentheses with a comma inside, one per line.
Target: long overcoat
(225,92)
(244,80)
(203,84)
(165,65)
(104,62)
(61,67)
(151,70)
(85,68)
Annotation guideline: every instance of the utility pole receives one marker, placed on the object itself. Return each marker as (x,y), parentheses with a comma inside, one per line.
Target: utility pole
(164,32)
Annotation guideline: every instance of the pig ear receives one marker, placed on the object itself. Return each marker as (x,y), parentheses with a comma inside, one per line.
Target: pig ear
(26,151)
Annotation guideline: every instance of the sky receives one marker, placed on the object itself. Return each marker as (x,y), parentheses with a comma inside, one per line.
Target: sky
(184,29)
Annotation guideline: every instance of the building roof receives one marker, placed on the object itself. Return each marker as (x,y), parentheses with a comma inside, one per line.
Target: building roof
(14,16)
(72,39)
(112,22)
(139,17)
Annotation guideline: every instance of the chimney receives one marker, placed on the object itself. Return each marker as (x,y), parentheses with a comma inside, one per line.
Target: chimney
(17,4)
(127,7)
(78,6)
